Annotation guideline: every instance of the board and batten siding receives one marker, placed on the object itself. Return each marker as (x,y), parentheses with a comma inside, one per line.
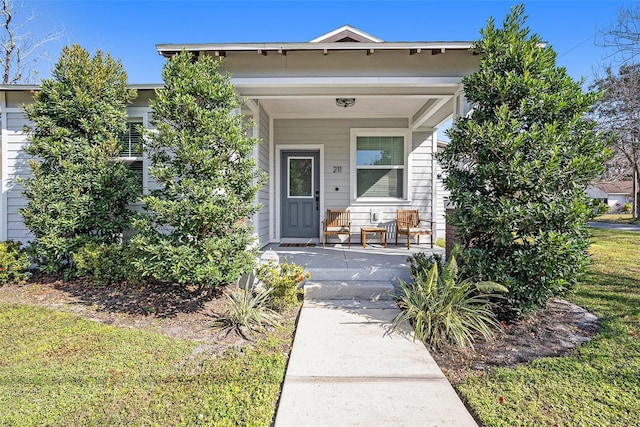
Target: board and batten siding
(262,228)
(335,135)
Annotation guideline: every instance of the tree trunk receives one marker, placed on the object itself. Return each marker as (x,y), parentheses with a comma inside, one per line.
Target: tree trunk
(636,194)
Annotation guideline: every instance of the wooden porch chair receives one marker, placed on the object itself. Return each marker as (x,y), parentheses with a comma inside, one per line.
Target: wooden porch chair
(336,222)
(408,223)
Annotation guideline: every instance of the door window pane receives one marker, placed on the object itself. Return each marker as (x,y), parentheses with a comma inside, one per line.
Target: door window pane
(301,177)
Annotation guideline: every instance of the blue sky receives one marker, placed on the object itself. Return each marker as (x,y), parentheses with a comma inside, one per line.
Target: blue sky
(130,29)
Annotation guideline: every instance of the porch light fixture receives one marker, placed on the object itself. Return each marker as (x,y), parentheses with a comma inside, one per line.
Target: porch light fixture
(345,102)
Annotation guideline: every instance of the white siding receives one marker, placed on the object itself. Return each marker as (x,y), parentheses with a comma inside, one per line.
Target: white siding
(263,164)
(334,134)
(17,167)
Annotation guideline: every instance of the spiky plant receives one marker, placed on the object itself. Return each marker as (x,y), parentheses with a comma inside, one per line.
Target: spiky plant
(443,312)
(247,311)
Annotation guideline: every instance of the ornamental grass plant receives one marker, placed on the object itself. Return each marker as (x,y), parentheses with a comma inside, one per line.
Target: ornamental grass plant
(247,312)
(445,311)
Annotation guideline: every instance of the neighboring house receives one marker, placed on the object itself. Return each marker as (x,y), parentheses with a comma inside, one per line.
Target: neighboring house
(615,193)
(346,121)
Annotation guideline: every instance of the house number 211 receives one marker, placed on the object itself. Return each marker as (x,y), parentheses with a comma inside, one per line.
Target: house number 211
(337,169)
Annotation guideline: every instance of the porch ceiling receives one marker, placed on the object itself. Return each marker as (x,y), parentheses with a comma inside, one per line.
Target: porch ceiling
(421,111)
(424,102)
(326,107)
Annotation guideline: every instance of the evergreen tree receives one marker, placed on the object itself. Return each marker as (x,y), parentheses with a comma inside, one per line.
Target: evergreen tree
(519,165)
(78,193)
(196,230)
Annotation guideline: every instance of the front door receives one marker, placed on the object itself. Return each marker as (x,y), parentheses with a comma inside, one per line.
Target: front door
(300,209)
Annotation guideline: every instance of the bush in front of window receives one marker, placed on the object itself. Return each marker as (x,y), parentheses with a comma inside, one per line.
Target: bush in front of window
(196,230)
(77,193)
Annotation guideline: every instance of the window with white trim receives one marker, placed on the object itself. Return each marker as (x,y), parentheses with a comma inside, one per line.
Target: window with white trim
(131,149)
(380,163)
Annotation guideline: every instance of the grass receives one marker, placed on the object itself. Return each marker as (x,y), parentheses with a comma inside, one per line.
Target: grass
(617,219)
(60,369)
(597,385)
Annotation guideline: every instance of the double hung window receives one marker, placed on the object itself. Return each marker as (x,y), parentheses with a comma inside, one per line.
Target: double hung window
(380,163)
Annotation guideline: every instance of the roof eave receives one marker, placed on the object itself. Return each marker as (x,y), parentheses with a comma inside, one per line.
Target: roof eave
(19,87)
(32,87)
(170,49)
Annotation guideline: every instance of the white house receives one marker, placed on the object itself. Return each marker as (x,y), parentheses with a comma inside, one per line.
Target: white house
(353,117)
(615,194)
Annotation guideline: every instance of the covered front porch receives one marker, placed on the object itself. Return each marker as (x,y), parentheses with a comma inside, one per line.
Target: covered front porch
(345,121)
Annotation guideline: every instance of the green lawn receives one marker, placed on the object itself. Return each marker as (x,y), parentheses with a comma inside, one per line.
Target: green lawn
(63,370)
(599,384)
(617,219)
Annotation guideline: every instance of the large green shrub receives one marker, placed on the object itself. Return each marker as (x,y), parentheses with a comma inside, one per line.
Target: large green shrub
(443,310)
(196,229)
(13,263)
(77,194)
(518,166)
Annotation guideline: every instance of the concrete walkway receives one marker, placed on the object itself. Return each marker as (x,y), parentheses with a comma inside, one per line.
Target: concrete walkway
(612,226)
(346,369)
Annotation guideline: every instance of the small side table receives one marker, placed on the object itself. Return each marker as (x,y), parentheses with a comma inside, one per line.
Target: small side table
(381,231)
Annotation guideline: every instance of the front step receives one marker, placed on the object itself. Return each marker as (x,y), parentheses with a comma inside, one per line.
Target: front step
(348,290)
(360,274)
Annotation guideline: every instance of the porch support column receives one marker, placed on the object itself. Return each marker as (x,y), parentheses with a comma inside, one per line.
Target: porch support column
(434,183)
(272,183)
(461,107)
(253,132)
(254,106)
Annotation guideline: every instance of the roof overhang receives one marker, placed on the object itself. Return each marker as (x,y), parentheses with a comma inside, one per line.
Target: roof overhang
(25,87)
(221,49)
(19,87)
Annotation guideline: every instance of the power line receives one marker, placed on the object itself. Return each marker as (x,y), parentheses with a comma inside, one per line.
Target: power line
(576,46)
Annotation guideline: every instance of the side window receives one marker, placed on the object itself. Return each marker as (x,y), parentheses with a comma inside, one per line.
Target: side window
(131,149)
(131,141)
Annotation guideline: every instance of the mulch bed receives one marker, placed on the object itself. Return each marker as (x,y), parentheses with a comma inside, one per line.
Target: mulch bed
(550,332)
(171,310)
